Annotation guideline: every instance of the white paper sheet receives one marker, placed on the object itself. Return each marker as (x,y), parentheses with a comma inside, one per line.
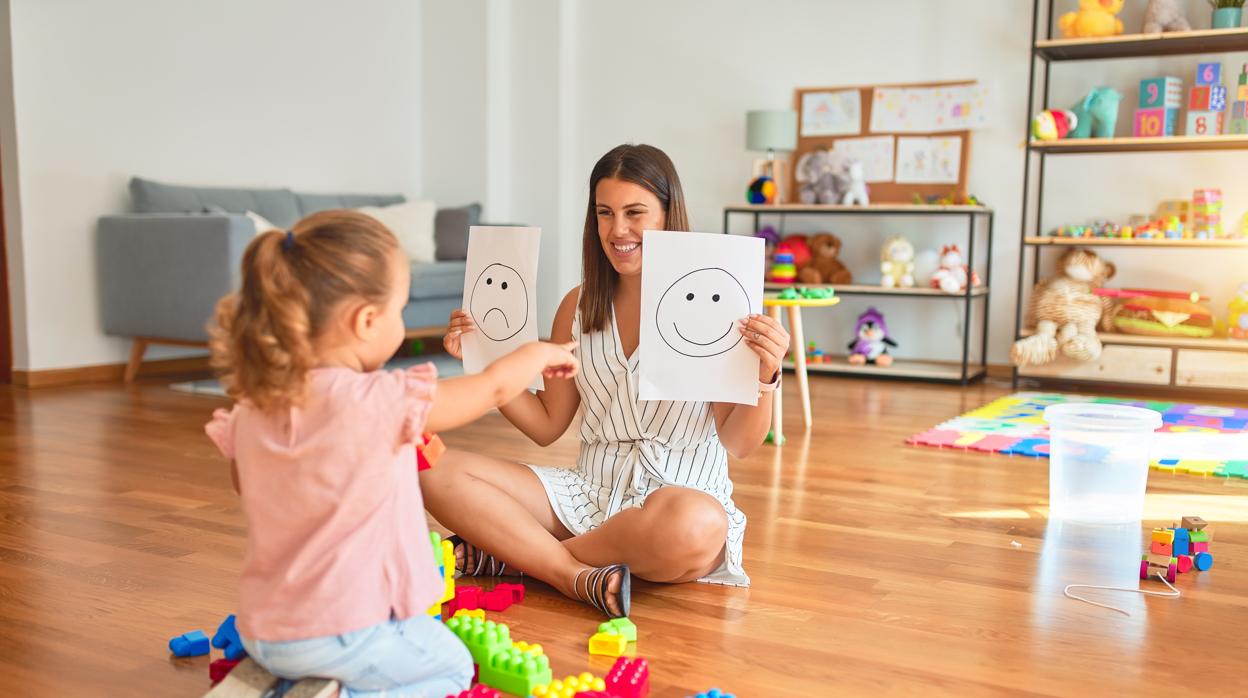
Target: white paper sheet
(874,152)
(929,109)
(836,113)
(928,160)
(694,288)
(500,293)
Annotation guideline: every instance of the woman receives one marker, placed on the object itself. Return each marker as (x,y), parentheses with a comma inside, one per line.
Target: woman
(650,492)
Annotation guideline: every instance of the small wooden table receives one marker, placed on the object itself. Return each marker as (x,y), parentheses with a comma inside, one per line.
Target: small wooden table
(773,303)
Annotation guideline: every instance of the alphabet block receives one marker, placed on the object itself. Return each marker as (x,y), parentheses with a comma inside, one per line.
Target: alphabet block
(1209,74)
(1204,123)
(1165,92)
(1155,122)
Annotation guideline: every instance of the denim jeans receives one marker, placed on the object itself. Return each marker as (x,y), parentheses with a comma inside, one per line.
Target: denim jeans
(413,658)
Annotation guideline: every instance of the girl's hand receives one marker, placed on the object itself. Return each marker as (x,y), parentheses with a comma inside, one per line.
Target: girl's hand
(768,339)
(461,324)
(560,361)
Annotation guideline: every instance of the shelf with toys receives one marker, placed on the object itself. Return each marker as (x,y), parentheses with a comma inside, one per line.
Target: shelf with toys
(1141,144)
(1143,45)
(1133,242)
(905,369)
(869,290)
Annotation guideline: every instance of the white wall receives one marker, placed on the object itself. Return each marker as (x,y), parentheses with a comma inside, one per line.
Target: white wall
(280,93)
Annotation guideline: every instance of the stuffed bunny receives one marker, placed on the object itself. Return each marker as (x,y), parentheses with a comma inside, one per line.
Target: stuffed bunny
(856,193)
(1165,16)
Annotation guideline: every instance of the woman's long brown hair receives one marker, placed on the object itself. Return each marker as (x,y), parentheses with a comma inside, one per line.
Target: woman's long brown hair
(645,166)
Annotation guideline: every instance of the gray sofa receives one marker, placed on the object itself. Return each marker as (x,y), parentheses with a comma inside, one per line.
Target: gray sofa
(162,268)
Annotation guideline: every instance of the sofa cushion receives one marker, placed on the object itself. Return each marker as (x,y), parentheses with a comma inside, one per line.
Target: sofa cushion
(412,223)
(438,280)
(277,205)
(450,230)
(311,203)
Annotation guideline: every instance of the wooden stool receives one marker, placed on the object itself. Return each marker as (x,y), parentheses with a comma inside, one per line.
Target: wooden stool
(773,304)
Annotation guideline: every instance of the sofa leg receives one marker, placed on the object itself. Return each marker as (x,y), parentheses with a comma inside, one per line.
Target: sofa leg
(137,350)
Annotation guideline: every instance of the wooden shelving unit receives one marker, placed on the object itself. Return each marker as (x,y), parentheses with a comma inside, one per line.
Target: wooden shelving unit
(1132,359)
(867,290)
(900,369)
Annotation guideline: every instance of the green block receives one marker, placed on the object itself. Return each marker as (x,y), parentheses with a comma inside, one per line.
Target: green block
(436,540)
(483,638)
(620,626)
(1200,537)
(513,671)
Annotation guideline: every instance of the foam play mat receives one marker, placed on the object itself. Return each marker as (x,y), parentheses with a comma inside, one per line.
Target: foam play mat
(1195,439)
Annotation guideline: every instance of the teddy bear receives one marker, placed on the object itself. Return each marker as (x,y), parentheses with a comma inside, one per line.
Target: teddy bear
(824,267)
(897,263)
(822,176)
(1094,18)
(1066,313)
(1165,16)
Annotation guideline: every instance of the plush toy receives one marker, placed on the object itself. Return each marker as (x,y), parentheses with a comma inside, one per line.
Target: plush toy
(1094,18)
(821,174)
(1066,313)
(897,263)
(926,262)
(1237,320)
(1165,16)
(824,267)
(800,248)
(871,342)
(856,193)
(1052,124)
(761,191)
(952,276)
(1096,114)
(769,234)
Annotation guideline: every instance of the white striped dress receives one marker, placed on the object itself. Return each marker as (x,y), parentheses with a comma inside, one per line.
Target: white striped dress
(631,448)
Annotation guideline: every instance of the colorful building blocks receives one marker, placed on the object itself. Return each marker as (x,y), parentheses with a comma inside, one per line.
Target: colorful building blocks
(466,597)
(192,644)
(495,600)
(221,668)
(1182,541)
(1204,123)
(1155,122)
(569,686)
(227,639)
(610,644)
(1163,535)
(1164,549)
(620,626)
(1162,92)
(1202,561)
(713,693)
(629,678)
(513,671)
(1186,546)
(483,638)
(474,613)
(478,691)
(516,591)
(1194,523)
(528,648)
(1208,73)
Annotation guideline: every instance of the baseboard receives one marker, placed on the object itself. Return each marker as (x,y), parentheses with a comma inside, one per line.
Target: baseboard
(106,373)
(1000,371)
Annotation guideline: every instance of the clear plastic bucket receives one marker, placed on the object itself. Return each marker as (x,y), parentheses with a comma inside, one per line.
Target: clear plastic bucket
(1098,461)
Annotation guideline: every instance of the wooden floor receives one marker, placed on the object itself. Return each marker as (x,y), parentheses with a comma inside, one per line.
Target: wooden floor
(879,569)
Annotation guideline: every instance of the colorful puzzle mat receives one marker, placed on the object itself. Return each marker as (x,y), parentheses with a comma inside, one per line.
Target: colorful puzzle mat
(1196,439)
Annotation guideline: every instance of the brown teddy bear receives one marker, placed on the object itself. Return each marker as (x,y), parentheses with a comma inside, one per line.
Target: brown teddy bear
(824,267)
(1066,313)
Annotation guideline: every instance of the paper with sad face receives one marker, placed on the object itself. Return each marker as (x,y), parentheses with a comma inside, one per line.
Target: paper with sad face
(500,293)
(694,288)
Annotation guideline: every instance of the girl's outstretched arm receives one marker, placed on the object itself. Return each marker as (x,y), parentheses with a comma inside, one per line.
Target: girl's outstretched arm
(459,401)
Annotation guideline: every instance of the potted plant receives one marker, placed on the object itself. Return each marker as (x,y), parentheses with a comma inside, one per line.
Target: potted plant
(1227,13)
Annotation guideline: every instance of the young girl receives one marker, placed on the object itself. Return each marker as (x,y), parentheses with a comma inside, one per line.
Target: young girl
(338,572)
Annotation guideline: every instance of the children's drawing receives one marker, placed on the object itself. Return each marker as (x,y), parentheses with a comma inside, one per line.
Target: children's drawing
(499,302)
(874,152)
(697,314)
(928,160)
(836,113)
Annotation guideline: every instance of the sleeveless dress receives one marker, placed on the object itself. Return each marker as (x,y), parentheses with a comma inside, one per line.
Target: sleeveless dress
(631,448)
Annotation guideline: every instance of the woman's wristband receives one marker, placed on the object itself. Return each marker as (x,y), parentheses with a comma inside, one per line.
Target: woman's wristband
(770,387)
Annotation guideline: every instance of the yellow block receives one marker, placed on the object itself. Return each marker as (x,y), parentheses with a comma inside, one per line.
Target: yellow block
(477,613)
(448,571)
(534,649)
(569,686)
(1163,535)
(609,644)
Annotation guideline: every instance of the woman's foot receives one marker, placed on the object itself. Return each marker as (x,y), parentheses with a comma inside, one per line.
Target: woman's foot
(471,561)
(605,588)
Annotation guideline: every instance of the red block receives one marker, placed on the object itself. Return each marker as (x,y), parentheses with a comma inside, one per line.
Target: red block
(221,668)
(629,678)
(496,600)
(516,591)
(1162,548)
(478,691)
(1185,563)
(466,597)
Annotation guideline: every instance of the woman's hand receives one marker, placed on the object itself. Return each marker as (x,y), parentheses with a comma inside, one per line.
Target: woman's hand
(461,324)
(769,340)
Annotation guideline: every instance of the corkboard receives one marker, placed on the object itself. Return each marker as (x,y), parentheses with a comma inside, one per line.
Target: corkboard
(881,192)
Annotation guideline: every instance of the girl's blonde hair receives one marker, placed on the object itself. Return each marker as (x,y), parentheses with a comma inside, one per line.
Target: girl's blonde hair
(291,281)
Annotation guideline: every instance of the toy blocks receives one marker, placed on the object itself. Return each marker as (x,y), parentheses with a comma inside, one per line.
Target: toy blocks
(1206,215)
(528,648)
(502,596)
(221,668)
(1163,535)
(516,591)
(478,691)
(1208,73)
(1205,123)
(1194,523)
(227,639)
(1202,561)
(513,671)
(629,678)
(1155,122)
(466,597)
(1207,97)
(192,644)
(713,693)
(1163,549)
(610,644)
(620,626)
(474,613)
(1164,92)
(1177,550)
(483,638)
(570,686)
(1182,541)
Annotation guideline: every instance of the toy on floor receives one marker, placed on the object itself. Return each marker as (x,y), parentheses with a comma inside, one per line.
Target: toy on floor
(221,668)
(713,693)
(1158,110)
(227,639)
(1066,313)
(1053,124)
(856,193)
(478,691)
(1177,550)
(1093,18)
(1096,114)
(1165,16)
(192,644)
(897,263)
(1237,319)
(952,275)
(513,671)
(822,177)
(824,266)
(872,343)
(783,269)
(761,191)
(570,686)
(444,558)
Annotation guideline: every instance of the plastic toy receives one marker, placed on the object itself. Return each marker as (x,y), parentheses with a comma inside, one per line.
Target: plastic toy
(783,270)
(953,275)
(620,626)
(761,191)
(856,192)
(227,639)
(1066,312)
(221,668)
(528,648)
(1096,114)
(824,266)
(629,678)
(951,199)
(570,686)
(1093,18)
(822,176)
(465,613)
(713,693)
(478,691)
(192,644)
(897,263)
(872,343)
(1165,16)
(513,671)
(483,638)
(1053,124)
(1206,213)
(1177,550)
(789,294)
(1161,314)
(1237,319)
(611,644)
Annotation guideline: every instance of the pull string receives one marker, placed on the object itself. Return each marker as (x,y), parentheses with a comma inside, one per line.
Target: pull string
(1173,593)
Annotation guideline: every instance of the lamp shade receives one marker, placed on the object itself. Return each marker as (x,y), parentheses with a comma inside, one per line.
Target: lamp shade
(771,129)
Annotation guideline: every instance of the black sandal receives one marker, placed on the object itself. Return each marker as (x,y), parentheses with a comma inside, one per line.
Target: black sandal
(596,594)
(483,563)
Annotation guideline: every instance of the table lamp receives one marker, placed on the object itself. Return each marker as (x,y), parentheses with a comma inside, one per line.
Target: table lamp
(771,130)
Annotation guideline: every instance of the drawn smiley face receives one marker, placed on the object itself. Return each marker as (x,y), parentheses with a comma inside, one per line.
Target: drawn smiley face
(697,314)
(499,302)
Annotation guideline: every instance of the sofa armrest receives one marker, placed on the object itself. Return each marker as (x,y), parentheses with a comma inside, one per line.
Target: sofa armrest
(161,275)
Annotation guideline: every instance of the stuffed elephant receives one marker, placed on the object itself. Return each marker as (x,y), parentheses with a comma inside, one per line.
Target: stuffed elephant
(1096,114)
(821,174)
(1165,16)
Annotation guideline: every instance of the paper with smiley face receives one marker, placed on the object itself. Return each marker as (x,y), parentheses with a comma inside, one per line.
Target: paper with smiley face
(694,288)
(500,293)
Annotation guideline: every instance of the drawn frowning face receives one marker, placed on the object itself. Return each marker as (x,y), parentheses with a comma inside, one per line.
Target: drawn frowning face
(697,314)
(500,302)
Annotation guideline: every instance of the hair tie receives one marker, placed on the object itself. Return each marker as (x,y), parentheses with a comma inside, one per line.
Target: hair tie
(289,242)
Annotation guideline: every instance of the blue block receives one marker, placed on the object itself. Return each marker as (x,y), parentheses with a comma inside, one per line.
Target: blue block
(1182,542)
(1209,74)
(1203,561)
(227,639)
(192,644)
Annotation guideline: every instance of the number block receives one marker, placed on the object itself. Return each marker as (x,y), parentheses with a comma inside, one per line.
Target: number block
(1209,74)
(1204,123)
(1155,122)
(1239,110)
(1238,127)
(1241,93)
(1166,92)
(1217,98)
(1198,98)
